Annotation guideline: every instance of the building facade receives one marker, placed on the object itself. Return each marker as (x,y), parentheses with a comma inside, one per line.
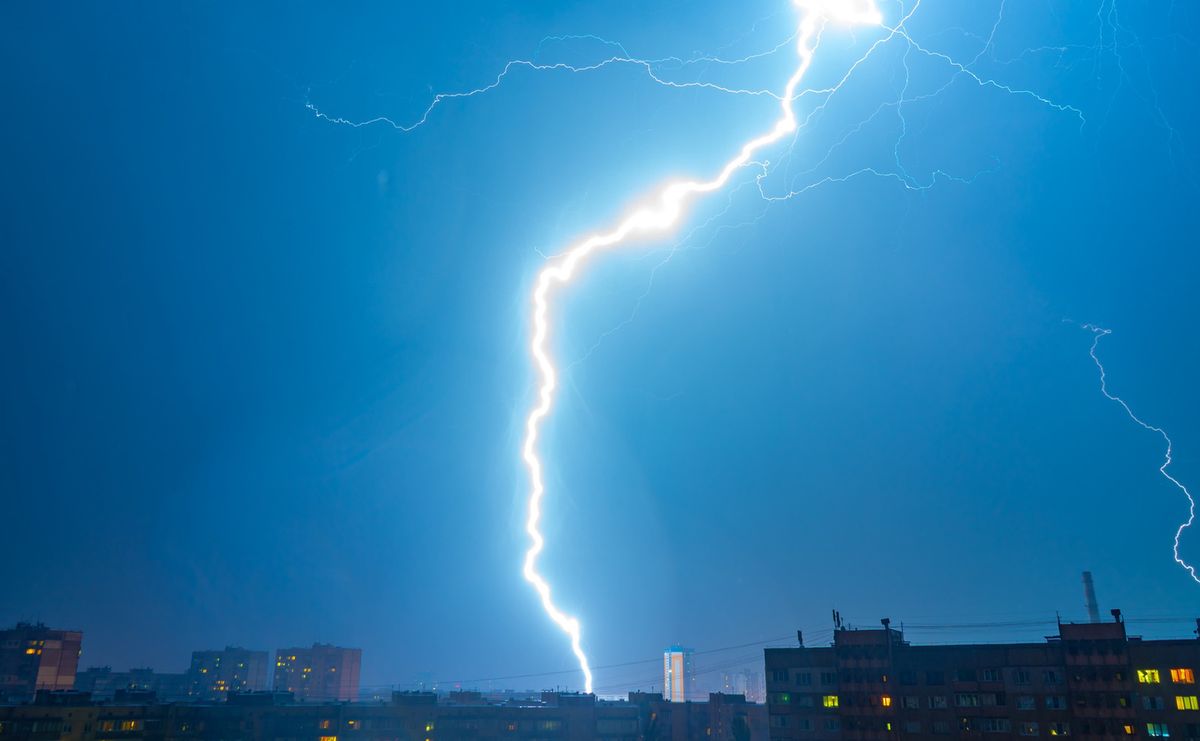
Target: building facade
(679,674)
(408,716)
(1092,680)
(101,682)
(322,672)
(213,675)
(34,657)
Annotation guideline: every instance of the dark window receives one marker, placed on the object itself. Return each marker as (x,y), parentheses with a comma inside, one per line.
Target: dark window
(935,678)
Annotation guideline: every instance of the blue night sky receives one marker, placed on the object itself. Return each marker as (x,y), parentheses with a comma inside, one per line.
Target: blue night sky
(264,375)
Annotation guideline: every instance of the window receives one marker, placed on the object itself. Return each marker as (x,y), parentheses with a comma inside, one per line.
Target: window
(830,701)
(1148,676)
(991,675)
(779,675)
(912,726)
(935,678)
(966,700)
(1157,730)
(551,724)
(996,725)
(780,698)
(828,677)
(910,702)
(991,699)
(938,702)
(779,721)
(1021,676)
(908,678)
(1060,729)
(886,701)
(966,675)
(941,727)
(1128,728)
(1050,676)
(136,725)
(804,701)
(328,738)
(1026,702)
(1186,702)
(803,679)
(1183,676)
(1056,702)
(1029,729)
(1154,703)
(833,724)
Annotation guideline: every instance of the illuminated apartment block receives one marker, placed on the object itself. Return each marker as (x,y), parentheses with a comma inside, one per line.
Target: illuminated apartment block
(323,672)
(216,674)
(679,674)
(1091,680)
(34,657)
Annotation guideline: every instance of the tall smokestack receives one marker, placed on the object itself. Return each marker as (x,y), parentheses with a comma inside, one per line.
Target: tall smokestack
(1089,597)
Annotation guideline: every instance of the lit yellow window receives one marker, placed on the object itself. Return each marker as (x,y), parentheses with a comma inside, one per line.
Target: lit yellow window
(31,651)
(1128,730)
(886,701)
(328,738)
(830,701)
(1148,676)
(324,724)
(1186,702)
(1183,676)
(130,725)
(429,726)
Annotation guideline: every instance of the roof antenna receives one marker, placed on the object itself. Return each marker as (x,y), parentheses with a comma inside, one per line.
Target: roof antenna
(1089,598)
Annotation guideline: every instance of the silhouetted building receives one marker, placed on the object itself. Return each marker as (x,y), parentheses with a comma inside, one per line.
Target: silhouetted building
(104,683)
(1090,680)
(679,674)
(744,682)
(34,657)
(723,718)
(213,675)
(323,672)
(270,716)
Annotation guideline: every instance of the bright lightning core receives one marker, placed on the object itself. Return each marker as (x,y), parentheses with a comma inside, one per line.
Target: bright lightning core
(660,215)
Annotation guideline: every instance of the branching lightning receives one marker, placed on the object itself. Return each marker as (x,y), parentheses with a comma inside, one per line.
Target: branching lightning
(664,211)
(658,216)
(1100,333)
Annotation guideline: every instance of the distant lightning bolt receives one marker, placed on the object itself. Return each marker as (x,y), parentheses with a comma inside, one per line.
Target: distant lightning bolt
(660,215)
(1100,333)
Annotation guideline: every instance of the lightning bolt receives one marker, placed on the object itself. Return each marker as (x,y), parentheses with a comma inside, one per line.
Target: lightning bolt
(665,209)
(662,213)
(1100,333)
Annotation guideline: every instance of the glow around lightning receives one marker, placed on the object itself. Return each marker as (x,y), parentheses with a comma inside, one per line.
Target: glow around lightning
(667,207)
(1100,333)
(659,215)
